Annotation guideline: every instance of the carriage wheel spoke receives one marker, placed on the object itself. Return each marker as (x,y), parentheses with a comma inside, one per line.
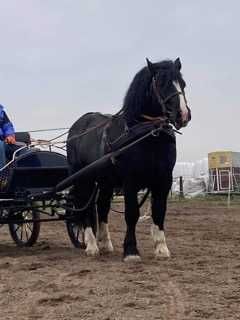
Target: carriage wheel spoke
(29,226)
(23,229)
(21,236)
(26,232)
(78,231)
(17,227)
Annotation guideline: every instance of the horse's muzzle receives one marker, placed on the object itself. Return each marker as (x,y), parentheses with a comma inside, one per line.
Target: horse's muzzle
(180,122)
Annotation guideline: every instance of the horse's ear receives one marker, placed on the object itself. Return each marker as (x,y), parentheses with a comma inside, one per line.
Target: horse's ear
(178,64)
(150,67)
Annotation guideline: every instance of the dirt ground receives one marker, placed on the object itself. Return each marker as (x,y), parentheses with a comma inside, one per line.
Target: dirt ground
(201,280)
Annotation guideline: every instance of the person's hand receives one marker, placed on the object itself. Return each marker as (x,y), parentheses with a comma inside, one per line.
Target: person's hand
(10,139)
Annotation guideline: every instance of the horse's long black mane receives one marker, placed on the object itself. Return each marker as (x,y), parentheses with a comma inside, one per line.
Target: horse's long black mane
(138,94)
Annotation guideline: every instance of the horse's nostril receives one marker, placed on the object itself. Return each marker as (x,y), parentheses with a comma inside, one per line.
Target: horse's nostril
(189,114)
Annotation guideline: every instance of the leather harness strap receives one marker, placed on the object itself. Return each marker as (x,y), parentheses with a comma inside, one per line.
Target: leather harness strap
(149,118)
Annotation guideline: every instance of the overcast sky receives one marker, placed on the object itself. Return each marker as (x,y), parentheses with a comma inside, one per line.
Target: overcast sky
(62,58)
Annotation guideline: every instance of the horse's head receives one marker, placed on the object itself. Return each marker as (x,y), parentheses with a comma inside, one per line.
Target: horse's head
(167,92)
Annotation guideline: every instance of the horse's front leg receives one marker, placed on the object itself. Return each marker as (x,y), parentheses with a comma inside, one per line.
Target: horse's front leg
(89,236)
(131,217)
(159,206)
(86,195)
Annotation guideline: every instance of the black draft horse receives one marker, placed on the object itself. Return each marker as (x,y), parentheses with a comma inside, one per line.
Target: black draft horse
(155,94)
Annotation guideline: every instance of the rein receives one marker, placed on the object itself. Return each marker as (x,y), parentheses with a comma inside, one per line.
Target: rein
(149,118)
(156,119)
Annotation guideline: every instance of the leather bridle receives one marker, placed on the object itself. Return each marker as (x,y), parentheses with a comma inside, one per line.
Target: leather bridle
(162,101)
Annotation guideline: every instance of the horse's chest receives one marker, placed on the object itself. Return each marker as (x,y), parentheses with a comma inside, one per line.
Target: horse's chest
(147,166)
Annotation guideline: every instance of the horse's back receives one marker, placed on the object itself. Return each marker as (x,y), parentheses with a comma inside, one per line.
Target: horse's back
(85,139)
(87,121)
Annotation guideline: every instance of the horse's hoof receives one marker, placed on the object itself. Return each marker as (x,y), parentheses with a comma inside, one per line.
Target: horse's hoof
(132,258)
(106,246)
(162,254)
(92,252)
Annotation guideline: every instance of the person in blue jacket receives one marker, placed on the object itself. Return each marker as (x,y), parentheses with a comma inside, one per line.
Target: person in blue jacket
(7,135)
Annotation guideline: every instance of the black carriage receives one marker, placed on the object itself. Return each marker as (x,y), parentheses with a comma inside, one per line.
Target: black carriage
(27,191)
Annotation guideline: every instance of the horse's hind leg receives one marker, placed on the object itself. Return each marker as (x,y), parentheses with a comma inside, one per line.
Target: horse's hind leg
(85,196)
(103,207)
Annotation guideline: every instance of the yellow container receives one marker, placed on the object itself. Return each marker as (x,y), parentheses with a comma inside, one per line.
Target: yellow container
(220,159)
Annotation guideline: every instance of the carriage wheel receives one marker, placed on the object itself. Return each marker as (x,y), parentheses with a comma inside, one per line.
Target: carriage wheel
(75,228)
(25,234)
(76,234)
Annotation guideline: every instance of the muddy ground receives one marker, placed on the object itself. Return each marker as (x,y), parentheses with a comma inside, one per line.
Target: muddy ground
(201,280)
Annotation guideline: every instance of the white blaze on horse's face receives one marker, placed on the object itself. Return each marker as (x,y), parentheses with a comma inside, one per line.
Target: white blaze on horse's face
(183,105)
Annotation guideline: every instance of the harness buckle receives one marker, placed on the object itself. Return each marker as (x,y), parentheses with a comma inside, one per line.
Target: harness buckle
(156,132)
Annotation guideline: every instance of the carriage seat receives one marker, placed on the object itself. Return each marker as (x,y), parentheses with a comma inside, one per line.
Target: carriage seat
(23,137)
